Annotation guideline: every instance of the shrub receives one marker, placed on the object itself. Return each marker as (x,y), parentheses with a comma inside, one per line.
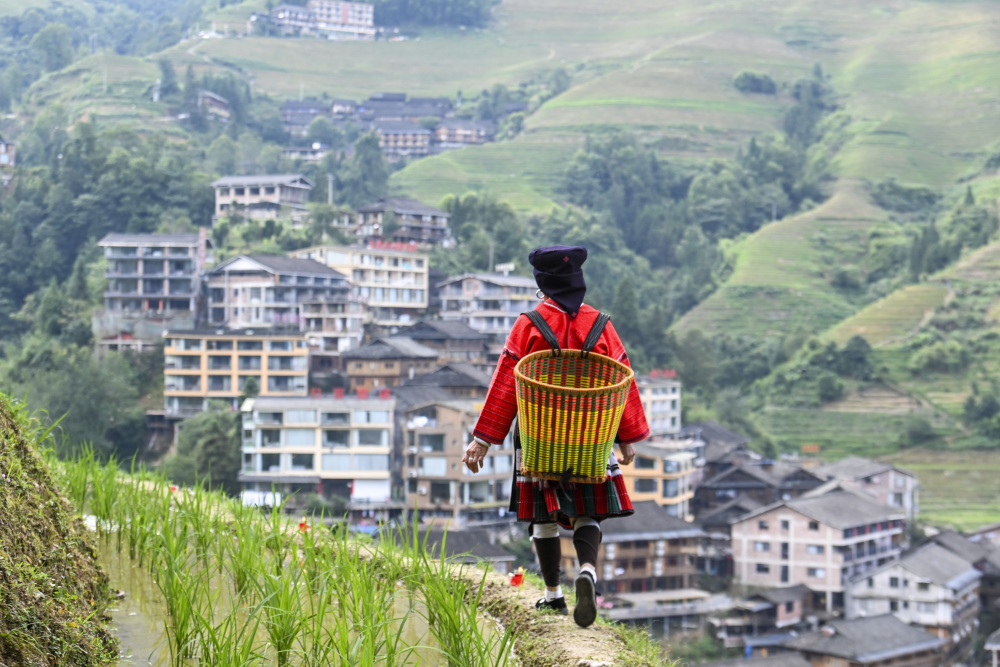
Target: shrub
(752,82)
(893,196)
(942,357)
(918,432)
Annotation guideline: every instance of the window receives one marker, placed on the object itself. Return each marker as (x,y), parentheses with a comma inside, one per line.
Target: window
(817,572)
(642,463)
(300,416)
(926,607)
(670,488)
(336,418)
(220,383)
(279,345)
(373,438)
(893,605)
(814,525)
(645,485)
(815,549)
(371,462)
(302,461)
(434,466)
(784,524)
(249,363)
(789,607)
(893,582)
(761,546)
(250,345)
(763,568)
(762,525)
(300,437)
(336,438)
(220,344)
(336,462)
(784,574)
(871,582)
(371,417)
(431,442)
(501,464)
(270,437)
(220,363)
(923,586)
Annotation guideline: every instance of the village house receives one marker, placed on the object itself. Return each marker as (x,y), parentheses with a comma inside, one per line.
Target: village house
(715,554)
(268,290)
(762,619)
(311,154)
(454,340)
(216,364)
(929,587)
(660,392)
(332,19)
(391,279)
(821,542)
(399,137)
(648,551)
(458,379)
(8,155)
(337,446)
(488,303)
(459,132)
(387,362)
(663,472)
(415,222)
(267,197)
(722,448)
(292,19)
(765,481)
(152,284)
(888,484)
(983,556)
(473,546)
(992,648)
(882,641)
(438,485)
(781,659)
(214,105)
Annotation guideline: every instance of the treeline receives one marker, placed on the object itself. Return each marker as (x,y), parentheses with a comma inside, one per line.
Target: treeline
(470,13)
(47,39)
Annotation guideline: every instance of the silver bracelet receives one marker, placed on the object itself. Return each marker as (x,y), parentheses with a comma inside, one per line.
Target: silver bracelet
(480,441)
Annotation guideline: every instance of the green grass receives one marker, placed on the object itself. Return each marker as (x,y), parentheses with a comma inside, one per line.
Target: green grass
(891,319)
(838,434)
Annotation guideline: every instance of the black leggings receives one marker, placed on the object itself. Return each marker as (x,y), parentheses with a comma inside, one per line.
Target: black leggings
(586,540)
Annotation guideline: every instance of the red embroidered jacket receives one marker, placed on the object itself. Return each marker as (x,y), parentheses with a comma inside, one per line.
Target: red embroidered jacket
(501,401)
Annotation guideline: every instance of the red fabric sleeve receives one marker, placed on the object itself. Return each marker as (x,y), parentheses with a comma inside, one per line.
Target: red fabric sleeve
(633,426)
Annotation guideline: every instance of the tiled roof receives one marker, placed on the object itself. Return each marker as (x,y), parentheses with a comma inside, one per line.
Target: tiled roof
(867,640)
(150,239)
(714,433)
(787,659)
(839,509)
(282,264)
(940,566)
(395,347)
(452,375)
(650,522)
(401,205)
(778,596)
(461,542)
(265,179)
(853,467)
(442,330)
(495,278)
(971,552)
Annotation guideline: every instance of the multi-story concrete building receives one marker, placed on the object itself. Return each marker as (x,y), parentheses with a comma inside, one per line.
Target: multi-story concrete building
(983,556)
(216,364)
(664,472)
(389,278)
(152,284)
(459,132)
(414,222)
(649,551)
(343,20)
(992,648)
(488,303)
(888,484)
(399,138)
(879,641)
(271,196)
(438,485)
(335,446)
(266,290)
(660,392)
(929,587)
(387,362)
(821,542)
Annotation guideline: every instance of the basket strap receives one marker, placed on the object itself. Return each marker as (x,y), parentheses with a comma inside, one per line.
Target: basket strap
(543,327)
(595,331)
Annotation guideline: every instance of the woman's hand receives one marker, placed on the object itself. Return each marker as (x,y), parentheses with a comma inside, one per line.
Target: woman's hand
(628,453)
(474,454)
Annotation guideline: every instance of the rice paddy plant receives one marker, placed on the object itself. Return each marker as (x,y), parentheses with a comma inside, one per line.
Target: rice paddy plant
(245,549)
(281,595)
(233,641)
(76,476)
(104,496)
(182,585)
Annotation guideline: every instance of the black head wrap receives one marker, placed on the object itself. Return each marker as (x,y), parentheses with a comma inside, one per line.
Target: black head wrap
(559,275)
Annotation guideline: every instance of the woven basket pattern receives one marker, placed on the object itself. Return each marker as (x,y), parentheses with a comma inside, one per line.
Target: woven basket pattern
(569,405)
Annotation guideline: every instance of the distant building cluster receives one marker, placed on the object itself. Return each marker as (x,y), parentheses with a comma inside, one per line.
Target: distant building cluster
(406,126)
(331,19)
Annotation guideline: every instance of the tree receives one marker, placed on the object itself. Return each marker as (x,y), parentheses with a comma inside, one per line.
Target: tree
(626,313)
(322,131)
(222,155)
(208,448)
(168,78)
(829,388)
(55,44)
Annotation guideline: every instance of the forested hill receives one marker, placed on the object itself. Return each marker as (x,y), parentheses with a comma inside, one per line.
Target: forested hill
(755,182)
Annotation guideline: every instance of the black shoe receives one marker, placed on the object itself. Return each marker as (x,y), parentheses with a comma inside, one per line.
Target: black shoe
(586,600)
(558,605)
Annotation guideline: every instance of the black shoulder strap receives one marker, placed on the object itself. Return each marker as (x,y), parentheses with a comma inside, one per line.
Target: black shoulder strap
(543,326)
(596,331)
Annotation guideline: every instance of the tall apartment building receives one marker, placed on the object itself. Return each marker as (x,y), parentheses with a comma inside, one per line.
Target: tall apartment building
(265,290)
(820,541)
(152,284)
(888,484)
(488,303)
(929,587)
(438,485)
(649,551)
(415,222)
(343,20)
(335,446)
(660,392)
(269,196)
(390,278)
(216,364)
(664,472)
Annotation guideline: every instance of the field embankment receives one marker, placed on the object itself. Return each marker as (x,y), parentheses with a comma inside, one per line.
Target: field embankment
(52,592)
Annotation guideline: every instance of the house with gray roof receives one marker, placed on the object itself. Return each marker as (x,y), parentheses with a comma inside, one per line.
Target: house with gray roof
(929,587)
(786,659)
(983,556)
(414,222)
(992,647)
(487,302)
(455,340)
(387,362)
(763,619)
(263,197)
(888,484)
(821,542)
(879,640)
(461,380)
(765,481)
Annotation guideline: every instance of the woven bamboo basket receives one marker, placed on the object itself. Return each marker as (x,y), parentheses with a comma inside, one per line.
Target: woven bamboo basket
(569,405)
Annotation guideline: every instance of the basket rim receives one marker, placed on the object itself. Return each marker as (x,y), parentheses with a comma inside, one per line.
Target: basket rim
(574,391)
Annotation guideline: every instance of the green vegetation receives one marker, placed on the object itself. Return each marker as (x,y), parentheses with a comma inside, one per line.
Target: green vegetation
(52,611)
(471,13)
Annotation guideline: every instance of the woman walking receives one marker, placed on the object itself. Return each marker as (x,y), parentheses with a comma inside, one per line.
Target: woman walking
(545,504)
